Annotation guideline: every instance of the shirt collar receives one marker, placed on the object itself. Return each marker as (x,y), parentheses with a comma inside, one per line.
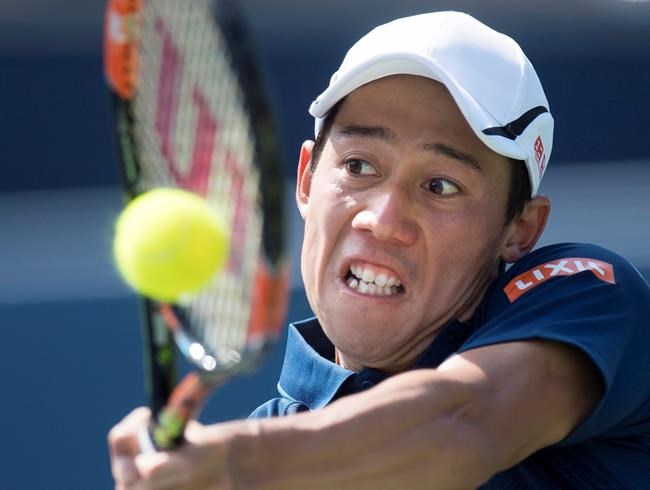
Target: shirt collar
(310,375)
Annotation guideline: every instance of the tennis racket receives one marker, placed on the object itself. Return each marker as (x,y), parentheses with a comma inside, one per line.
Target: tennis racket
(189,112)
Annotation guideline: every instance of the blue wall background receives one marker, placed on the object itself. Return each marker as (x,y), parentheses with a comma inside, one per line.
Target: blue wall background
(71,370)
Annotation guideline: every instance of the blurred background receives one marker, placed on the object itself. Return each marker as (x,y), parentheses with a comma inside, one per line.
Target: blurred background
(69,337)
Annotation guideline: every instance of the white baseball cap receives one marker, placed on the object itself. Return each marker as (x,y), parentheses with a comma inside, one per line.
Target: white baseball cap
(488,75)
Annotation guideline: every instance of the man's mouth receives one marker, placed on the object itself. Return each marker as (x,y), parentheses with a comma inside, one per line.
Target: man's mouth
(372,280)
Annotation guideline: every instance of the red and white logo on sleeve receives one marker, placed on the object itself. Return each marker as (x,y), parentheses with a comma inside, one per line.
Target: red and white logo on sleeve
(562,267)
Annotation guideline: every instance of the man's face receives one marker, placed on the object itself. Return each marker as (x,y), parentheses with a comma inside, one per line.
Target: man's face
(404,221)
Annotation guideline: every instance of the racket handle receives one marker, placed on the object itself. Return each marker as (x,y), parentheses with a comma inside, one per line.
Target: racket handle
(156,438)
(167,427)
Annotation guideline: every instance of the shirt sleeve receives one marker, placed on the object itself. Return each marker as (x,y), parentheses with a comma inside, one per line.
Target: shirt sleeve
(592,299)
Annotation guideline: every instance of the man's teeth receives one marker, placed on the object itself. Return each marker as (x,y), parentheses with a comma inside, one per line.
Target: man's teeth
(366,281)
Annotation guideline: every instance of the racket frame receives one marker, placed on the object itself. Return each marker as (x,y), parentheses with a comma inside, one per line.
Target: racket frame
(163,324)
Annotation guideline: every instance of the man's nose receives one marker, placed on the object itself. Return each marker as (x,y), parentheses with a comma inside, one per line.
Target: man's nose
(388,216)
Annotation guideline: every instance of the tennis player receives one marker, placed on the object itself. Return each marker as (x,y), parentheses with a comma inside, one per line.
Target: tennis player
(430,362)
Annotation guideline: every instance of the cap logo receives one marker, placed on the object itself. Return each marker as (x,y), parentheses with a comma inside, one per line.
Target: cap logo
(562,267)
(517,127)
(540,156)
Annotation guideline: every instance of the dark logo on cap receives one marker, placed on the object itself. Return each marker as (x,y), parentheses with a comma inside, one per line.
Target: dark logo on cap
(518,126)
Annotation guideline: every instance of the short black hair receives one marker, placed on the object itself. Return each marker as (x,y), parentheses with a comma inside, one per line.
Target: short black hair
(321,137)
(519,193)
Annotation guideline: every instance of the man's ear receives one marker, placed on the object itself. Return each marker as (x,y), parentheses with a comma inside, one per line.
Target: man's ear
(526,229)
(303,182)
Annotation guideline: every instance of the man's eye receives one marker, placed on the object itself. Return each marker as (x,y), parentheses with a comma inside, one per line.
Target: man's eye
(359,167)
(443,187)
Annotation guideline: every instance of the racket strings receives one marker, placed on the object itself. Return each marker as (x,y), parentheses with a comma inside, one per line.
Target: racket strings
(193,131)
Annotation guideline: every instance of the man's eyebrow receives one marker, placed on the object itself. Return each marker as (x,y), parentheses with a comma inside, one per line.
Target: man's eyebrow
(454,154)
(379,132)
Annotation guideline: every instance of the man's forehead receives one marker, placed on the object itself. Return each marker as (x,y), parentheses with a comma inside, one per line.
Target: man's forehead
(381,133)
(352,130)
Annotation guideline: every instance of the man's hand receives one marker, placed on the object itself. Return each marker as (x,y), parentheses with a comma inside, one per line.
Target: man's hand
(199,463)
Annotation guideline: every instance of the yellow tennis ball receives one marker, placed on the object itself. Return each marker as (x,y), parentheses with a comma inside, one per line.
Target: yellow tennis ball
(169,243)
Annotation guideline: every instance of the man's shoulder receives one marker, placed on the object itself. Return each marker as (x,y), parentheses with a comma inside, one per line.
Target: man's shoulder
(560,285)
(590,298)
(575,255)
(586,264)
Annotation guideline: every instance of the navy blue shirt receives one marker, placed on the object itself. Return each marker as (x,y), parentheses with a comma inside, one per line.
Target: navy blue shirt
(578,294)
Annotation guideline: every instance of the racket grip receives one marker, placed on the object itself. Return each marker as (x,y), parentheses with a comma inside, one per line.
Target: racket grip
(166,430)
(161,437)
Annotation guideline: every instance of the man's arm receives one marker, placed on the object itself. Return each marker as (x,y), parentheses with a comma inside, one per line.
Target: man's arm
(452,427)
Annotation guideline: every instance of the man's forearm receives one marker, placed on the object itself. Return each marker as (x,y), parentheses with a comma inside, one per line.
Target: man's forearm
(412,430)
(452,427)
